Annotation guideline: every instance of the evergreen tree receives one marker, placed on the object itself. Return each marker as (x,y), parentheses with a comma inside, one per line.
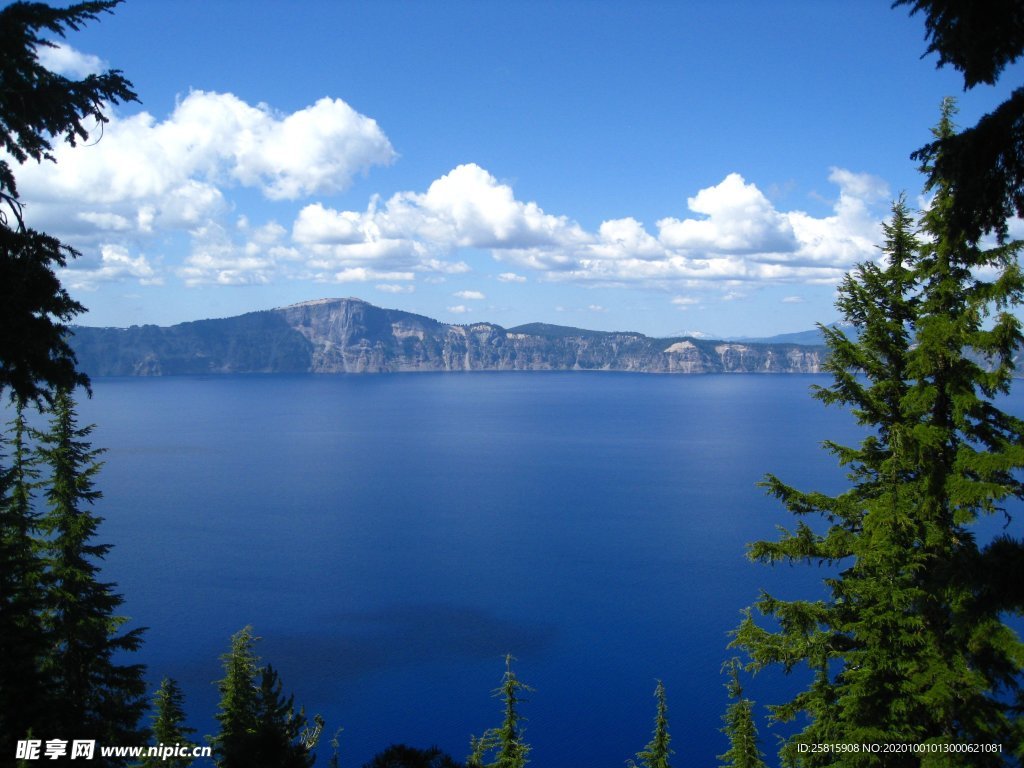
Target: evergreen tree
(971,455)
(279,727)
(94,696)
(22,690)
(744,746)
(238,703)
(402,756)
(657,752)
(58,619)
(169,726)
(37,108)
(506,741)
(259,728)
(984,165)
(910,644)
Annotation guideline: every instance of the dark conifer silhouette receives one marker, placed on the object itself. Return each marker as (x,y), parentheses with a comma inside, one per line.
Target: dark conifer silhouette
(983,165)
(402,756)
(37,108)
(23,692)
(95,695)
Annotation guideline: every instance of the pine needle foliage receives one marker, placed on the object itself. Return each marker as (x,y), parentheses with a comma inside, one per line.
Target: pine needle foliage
(237,715)
(38,105)
(404,756)
(505,742)
(279,726)
(37,108)
(984,164)
(657,752)
(259,727)
(23,697)
(910,644)
(169,727)
(94,694)
(744,745)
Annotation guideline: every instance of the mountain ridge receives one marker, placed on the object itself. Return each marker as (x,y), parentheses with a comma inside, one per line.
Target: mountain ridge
(350,335)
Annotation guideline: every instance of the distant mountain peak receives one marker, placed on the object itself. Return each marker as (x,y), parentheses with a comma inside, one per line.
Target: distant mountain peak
(321,302)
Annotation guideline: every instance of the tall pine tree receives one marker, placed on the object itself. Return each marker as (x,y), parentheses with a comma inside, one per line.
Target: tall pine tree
(506,742)
(657,752)
(95,695)
(259,728)
(971,455)
(744,747)
(909,645)
(23,693)
(169,728)
(238,703)
(279,739)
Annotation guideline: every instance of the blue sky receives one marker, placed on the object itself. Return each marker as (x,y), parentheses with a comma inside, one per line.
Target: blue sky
(664,167)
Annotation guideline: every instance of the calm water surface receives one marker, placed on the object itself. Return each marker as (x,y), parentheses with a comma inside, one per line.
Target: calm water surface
(392,537)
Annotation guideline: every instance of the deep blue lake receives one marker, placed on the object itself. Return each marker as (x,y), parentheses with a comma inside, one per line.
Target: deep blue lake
(392,537)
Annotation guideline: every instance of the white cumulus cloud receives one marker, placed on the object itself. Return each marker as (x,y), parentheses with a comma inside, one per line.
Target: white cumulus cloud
(213,140)
(468,207)
(735,234)
(739,237)
(465,208)
(146,177)
(116,263)
(62,59)
(739,219)
(151,181)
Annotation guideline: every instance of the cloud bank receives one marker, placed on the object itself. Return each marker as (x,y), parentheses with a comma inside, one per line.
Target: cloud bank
(156,200)
(735,234)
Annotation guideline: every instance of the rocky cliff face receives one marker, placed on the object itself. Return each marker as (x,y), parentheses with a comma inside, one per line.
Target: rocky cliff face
(352,336)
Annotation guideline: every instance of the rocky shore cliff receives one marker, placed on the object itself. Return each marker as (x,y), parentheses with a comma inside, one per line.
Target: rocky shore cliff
(353,336)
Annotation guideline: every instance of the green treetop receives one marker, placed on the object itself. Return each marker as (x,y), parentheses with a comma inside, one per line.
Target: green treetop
(744,747)
(259,728)
(656,754)
(506,742)
(169,726)
(238,702)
